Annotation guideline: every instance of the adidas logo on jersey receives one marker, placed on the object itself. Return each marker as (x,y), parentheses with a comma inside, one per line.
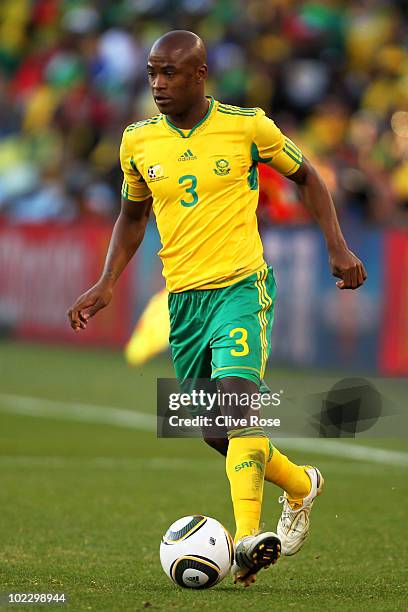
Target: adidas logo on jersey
(187,156)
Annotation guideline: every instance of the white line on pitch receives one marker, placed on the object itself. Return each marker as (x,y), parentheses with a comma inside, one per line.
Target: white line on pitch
(153,463)
(347,450)
(108,415)
(187,464)
(73,411)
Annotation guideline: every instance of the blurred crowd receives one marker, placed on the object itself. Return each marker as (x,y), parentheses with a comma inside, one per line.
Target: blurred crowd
(332,73)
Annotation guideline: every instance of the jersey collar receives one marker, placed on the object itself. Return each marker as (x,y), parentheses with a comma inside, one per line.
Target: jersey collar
(199,126)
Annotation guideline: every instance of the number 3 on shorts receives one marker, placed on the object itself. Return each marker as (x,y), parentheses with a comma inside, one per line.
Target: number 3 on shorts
(191,189)
(242,341)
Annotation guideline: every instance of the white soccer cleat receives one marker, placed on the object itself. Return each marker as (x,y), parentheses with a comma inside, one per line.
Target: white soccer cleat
(253,553)
(294,523)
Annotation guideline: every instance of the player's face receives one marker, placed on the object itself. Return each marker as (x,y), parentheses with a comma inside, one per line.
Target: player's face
(173,82)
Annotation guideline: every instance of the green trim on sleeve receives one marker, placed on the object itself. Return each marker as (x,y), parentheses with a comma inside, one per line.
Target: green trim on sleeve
(134,201)
(125,194)
(292,155)
(236,113)
(291,145)
(293,170)
(229,109)
(143,122)
(292,151)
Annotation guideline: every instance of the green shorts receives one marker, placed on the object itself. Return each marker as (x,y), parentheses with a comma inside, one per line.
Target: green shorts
(223,332)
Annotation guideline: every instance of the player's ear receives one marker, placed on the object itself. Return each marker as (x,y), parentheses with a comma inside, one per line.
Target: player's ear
(202,73)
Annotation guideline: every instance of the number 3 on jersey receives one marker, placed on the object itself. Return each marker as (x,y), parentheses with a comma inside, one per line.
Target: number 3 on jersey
(241,341)
(189,189)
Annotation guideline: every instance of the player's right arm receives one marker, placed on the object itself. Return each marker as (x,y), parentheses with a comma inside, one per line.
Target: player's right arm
(277,150)
(126,238)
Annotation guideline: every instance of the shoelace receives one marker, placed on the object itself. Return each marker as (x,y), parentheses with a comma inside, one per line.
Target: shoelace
(286,518)
(288,514)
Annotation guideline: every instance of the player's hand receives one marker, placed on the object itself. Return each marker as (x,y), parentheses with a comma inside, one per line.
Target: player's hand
(347,266)
(88,304)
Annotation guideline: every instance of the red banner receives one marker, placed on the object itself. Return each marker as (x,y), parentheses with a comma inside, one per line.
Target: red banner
(394,342)
(43,269)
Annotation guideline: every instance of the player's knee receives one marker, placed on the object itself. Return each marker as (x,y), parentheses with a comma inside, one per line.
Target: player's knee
(218,444)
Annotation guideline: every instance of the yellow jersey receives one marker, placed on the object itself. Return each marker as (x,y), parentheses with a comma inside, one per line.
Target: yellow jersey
(204,184)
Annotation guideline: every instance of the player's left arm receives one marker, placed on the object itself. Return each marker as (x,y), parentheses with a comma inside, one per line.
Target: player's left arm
(270,146)
(344,264)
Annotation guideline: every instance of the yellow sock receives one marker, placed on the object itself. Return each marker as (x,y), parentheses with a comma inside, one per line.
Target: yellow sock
(290,477)
(245,467)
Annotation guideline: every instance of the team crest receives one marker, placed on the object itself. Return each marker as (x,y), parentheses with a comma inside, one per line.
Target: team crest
(155,172)
(222,167)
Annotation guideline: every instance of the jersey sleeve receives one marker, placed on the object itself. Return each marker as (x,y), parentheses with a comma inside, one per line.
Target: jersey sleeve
(272,147)
(134,188)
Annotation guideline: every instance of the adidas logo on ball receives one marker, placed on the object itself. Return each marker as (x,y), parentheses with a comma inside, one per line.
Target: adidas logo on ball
(193,579)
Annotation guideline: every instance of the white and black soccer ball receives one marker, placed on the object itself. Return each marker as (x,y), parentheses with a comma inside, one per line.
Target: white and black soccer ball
(196,552)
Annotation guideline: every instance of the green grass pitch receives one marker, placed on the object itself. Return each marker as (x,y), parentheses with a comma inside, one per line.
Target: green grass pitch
(83,505)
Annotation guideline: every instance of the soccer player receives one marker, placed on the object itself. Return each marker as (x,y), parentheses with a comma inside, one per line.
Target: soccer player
(196,163)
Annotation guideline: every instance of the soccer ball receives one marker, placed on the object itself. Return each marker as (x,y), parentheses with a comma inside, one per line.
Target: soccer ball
(196,552)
